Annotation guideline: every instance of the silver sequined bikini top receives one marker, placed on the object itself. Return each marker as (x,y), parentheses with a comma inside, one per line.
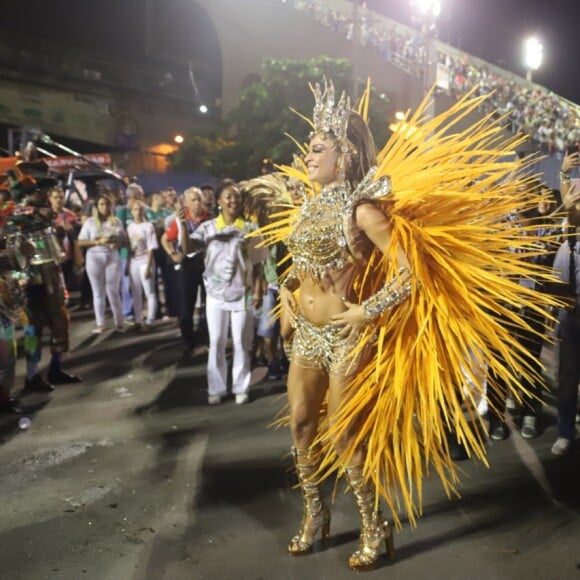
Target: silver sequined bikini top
(325,236)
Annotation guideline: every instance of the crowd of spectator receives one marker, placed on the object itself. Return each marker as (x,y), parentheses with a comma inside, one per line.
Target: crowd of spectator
(167,259)
(550,121)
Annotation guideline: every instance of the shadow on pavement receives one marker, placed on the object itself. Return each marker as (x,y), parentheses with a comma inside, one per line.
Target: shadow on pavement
(181,391)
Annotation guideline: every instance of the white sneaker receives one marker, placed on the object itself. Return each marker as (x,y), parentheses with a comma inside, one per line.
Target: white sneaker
(242,398)
(510,404)
(529,427)
(562,446)
(98,330)
(214,400)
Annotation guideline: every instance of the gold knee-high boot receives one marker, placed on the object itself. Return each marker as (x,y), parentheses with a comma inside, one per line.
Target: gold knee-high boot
(315,516)
(374,529)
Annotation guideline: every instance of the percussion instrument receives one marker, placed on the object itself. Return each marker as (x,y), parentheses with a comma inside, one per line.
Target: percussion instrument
(46,248)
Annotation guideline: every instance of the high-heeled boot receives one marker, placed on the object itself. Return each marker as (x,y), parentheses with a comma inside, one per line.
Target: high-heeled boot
(374,529)
(315,516)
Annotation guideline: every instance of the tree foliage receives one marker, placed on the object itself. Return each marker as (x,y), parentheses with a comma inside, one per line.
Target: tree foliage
(258,127)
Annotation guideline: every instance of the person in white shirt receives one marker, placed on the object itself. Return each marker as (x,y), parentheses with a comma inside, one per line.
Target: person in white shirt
(233,282)
(142,243)
(103,235)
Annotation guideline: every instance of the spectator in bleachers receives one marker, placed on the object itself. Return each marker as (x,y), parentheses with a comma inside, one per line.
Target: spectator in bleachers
(549,120)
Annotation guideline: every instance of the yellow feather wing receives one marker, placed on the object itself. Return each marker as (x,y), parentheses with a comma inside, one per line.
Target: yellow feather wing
(452,192)
(453,185)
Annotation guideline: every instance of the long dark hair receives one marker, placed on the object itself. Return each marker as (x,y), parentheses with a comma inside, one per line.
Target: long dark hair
(364,156)
(97,213)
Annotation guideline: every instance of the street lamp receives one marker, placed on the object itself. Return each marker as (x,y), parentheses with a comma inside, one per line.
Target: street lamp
(426,13)
(533,55)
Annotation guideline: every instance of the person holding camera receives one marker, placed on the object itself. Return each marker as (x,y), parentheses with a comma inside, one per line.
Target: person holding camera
(568,188)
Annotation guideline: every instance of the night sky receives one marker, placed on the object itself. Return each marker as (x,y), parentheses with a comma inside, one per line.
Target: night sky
(489,29)
(494,30)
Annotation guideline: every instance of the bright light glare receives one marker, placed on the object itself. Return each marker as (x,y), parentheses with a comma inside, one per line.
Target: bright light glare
(428,7)
(203,109)
(399,115)
(179,139)
(533,53)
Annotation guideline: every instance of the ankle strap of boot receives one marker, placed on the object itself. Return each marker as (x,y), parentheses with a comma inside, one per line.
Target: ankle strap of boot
(309,453)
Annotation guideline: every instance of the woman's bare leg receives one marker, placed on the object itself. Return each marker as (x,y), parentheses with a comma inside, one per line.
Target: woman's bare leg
(336,393)
(306,390)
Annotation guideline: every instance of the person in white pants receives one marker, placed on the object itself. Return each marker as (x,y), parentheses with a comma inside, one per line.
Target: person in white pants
(233,281)
(103,235)
(142,241)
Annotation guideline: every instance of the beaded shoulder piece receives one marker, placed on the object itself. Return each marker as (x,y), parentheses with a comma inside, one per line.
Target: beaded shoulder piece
(369,189)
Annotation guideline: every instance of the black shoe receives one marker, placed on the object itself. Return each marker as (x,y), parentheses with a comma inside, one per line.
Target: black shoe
(62,378)
(260,361)
(10,406)
(457,450)
(498,431)
(188,351)
(274,372)
(37,383)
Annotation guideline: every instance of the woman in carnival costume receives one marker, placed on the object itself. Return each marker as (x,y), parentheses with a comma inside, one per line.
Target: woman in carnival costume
(403,270)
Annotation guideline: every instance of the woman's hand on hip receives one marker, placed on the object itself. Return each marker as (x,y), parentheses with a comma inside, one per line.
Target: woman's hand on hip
(353,318)
(289,304)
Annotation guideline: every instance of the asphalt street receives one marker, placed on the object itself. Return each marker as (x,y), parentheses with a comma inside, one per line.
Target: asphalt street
(130,475)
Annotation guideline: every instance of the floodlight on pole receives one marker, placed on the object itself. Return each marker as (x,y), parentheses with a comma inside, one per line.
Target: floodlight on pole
(425,13)
(533,55)
(427,8)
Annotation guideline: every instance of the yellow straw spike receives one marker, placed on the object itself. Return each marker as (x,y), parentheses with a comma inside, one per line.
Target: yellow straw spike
(363,105)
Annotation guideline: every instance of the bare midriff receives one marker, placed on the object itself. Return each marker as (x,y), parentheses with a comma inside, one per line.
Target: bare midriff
(318,301)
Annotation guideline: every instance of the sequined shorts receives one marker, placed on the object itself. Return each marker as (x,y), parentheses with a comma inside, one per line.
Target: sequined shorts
(322,348)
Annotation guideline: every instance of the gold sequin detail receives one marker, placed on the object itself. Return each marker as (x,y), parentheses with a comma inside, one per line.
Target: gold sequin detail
(318,242)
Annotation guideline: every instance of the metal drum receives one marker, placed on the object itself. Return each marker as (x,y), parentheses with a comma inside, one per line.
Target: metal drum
(45,248)
(8,261)
(16,251)
(12,294)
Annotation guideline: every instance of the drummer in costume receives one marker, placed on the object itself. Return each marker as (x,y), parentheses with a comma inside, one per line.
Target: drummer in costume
(11,300)
(45,290)
(402,269)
